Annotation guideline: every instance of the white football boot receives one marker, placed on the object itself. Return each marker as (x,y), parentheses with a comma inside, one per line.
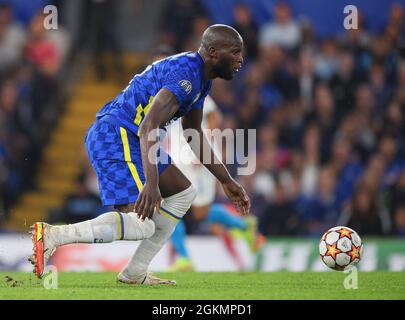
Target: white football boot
(148,280)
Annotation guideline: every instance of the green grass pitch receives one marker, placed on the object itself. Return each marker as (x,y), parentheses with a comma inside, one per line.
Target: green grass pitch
(207,286)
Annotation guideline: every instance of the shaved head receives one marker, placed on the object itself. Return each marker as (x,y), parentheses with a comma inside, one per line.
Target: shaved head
(222,51)
(219,36)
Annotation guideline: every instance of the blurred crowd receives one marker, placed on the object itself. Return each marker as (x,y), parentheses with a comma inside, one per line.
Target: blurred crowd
(329,115)
(31,60)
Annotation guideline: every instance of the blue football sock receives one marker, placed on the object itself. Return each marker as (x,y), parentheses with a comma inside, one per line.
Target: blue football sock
(219,214)
(178,239)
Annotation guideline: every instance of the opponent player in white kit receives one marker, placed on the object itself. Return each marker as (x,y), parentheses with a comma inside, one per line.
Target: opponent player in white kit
(219,218)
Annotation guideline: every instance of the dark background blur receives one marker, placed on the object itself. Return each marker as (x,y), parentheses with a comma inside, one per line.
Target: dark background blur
(328,105)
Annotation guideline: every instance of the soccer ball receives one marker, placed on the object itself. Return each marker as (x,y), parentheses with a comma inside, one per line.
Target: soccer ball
(340,248)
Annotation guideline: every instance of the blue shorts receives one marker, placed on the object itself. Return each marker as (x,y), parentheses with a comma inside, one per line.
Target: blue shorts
(115,155)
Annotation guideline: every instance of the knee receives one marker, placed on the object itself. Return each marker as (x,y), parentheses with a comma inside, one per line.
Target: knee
(188,195)
(139,229)
(148,228)
(192,193)
(180,202)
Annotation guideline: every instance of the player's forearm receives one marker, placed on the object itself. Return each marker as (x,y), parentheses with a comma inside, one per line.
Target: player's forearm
(219,171)
(213,163)
(148,142)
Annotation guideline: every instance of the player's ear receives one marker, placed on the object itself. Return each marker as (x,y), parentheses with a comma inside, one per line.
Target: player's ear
(212,52)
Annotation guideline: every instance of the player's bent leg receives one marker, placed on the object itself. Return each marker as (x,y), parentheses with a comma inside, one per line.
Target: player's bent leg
(247,226)
(178,194)
(204,182)
(200,212)
(172,181)
(106,228)
(218,213)
(183,261)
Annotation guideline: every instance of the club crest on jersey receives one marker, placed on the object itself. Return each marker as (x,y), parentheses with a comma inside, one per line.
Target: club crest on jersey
(186,85)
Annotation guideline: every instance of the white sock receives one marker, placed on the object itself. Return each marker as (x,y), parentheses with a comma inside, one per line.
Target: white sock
(105,228)
(173,208)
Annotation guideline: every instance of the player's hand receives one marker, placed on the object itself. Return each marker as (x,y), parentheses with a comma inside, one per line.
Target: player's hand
(238,196)
(148,200)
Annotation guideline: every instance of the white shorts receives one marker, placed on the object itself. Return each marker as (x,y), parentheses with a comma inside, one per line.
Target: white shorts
(204,182)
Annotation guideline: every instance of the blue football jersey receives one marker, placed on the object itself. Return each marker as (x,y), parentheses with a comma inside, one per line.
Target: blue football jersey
(181,74)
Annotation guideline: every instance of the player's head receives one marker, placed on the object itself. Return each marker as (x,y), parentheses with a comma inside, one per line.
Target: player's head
(223,46)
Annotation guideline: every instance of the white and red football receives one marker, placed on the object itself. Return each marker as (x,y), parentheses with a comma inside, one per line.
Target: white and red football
(340,248)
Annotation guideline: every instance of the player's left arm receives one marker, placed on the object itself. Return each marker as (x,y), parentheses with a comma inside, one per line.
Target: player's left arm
(233,189)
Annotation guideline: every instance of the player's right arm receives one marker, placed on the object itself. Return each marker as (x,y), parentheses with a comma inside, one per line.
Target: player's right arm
(162,109)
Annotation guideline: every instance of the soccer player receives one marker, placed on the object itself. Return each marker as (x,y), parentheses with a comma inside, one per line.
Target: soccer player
(150,196)
(219,219)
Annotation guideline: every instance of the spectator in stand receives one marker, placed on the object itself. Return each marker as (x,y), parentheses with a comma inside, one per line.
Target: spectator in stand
(397,194)
(263,182)
(348,170)
(324,116)
(280,217)
(327,61)
(192,41)
(17,142)
(45,59)
(284,31)
(100,37)
(311,159)
(392,123)
(40,51)
(308,41)
(362,214)
(388,148)
(306,78)
(343,84)
(394,30)
(318,211)
(380,52)
(380,88)
(247,28)
(177,25)
(12,40)
(279,82)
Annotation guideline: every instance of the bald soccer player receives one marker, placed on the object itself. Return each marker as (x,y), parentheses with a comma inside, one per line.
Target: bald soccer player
(150,195)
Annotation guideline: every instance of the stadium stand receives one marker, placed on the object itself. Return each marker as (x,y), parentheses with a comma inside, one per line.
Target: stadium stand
(328,106)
